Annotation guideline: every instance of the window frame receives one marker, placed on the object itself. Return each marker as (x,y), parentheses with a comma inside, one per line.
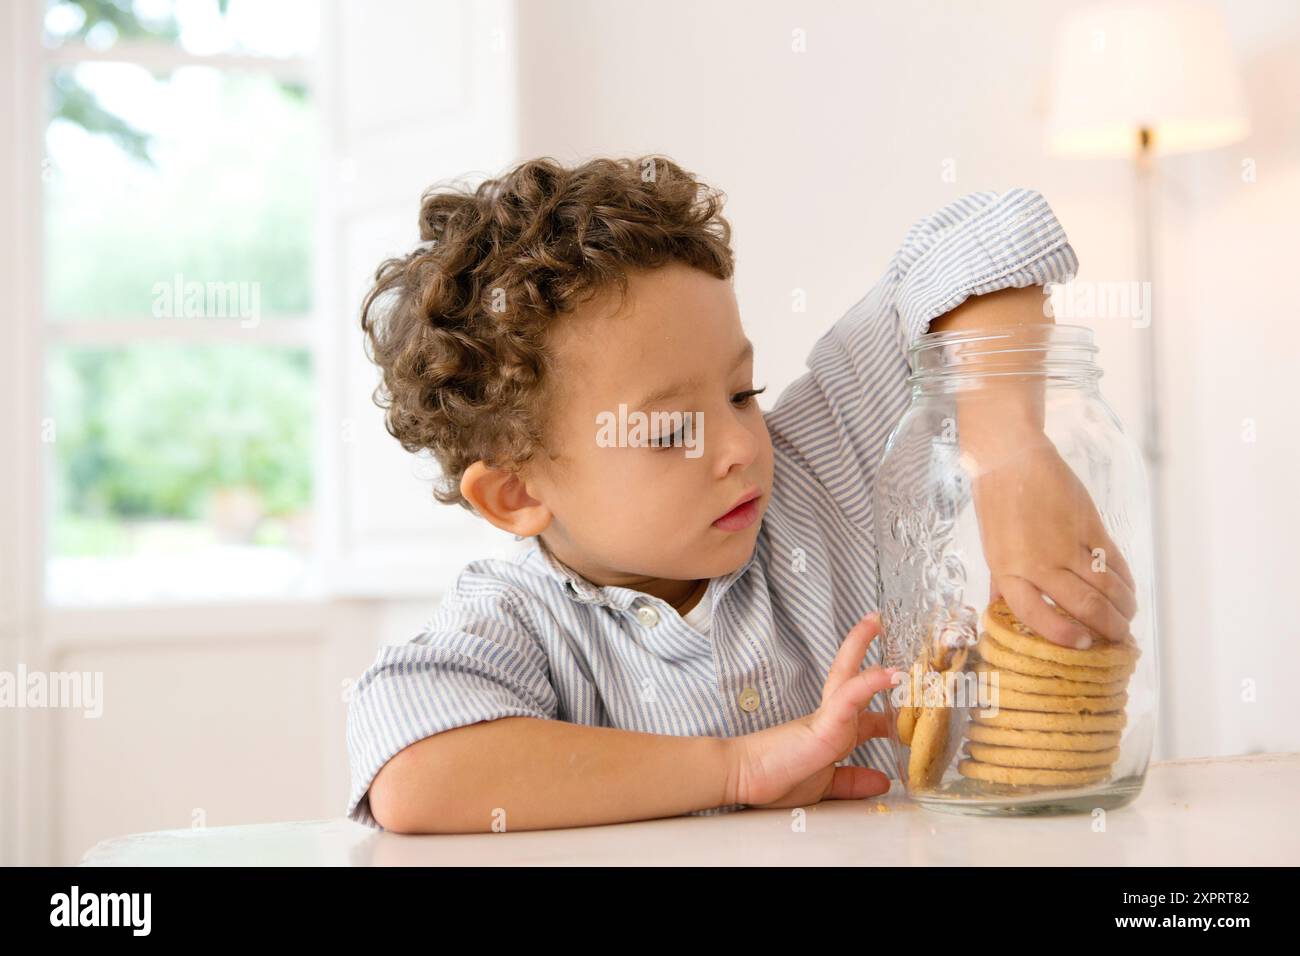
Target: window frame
(305,331)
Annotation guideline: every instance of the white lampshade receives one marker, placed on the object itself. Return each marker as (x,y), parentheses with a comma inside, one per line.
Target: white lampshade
(1166,66)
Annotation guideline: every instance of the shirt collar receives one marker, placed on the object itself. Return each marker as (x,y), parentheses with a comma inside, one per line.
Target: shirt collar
(580,590)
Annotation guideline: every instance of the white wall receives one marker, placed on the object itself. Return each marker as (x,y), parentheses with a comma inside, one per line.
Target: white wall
(1236,514)
(212,716)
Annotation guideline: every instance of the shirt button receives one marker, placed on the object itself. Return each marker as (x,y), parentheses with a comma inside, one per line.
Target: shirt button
(647,615)
(749,700)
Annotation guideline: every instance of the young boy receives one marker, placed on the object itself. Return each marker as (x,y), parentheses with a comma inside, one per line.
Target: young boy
(672,641)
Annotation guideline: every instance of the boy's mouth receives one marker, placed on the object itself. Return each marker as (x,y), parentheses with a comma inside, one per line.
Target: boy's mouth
(742,514)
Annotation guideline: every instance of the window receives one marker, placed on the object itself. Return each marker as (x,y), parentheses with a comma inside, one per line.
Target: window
(180,183)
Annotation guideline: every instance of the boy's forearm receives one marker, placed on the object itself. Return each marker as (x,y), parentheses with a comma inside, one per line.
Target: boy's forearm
(999,413)
(525,773)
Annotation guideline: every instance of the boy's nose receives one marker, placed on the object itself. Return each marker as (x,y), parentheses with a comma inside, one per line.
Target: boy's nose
(737,446)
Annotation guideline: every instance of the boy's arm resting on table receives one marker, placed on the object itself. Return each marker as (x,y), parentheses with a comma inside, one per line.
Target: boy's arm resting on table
(462,722)
(521,773)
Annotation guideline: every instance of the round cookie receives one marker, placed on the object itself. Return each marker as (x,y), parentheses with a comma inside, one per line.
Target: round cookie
(1041,739)
(1000,621)
(1068,723)
(907,713)
(1010,680)
(906,725)
(929,741)
(1052,703)
(929,744)
(997,654)
(1030,777)
(1042,759)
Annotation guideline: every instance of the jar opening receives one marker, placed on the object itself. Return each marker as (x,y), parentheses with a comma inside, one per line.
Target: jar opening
(1038,350)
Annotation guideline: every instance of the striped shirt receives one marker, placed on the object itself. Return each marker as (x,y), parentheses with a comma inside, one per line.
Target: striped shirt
(530,637)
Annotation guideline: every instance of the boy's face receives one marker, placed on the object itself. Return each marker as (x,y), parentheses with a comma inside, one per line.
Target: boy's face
(643,516)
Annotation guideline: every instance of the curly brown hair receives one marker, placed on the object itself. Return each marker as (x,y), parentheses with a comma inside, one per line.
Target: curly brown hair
(459,326)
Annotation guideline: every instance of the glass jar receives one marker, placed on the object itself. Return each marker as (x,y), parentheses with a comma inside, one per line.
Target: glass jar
(988,716)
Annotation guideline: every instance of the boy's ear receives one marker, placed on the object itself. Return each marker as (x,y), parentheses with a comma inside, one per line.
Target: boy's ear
(500,497)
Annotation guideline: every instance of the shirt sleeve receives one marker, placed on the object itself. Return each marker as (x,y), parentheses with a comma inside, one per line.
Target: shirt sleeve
(476,659)
(833,421)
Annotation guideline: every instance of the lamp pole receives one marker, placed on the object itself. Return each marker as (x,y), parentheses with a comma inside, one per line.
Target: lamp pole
(1152,449)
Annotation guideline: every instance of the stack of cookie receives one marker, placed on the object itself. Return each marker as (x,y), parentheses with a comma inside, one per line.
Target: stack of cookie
(1060,711)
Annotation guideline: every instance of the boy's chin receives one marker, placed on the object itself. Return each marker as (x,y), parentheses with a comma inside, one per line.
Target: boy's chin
(736,551)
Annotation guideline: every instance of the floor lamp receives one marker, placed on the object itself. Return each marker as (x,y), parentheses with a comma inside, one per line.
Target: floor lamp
(1136,81)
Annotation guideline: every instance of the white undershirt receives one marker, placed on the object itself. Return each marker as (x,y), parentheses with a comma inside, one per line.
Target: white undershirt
(698,616)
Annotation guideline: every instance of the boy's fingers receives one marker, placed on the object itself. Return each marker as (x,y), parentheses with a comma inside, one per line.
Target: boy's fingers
(854,783)
(1089,606)
(1069,591)
(1115,560)
(872,723)
(848,659)
(1110,580)
(854,696)
(1026,601)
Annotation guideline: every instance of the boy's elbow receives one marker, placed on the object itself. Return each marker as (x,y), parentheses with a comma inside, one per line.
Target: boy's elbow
(398,801)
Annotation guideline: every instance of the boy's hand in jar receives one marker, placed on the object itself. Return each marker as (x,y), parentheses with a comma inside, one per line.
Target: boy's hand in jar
(793,764)
(1042,535)
(1039,526)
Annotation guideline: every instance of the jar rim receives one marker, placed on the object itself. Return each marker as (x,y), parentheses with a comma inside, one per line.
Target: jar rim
(1058,333)
(1046,348)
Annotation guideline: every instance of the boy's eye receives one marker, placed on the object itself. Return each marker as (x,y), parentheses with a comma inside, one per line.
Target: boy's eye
(669,440)
(740,399)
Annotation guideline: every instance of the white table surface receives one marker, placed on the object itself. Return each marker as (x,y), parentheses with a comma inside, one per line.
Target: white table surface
(1233,811)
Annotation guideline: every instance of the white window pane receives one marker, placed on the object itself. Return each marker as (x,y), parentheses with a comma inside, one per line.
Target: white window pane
(178,472)
(202,179)
(278,28)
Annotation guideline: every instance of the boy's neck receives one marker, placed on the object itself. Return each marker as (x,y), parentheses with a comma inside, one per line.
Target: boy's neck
(694,597)
(682,605)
